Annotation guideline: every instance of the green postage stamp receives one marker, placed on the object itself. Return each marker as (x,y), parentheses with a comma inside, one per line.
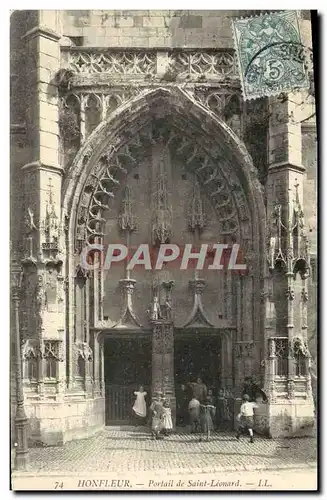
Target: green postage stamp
(270,53)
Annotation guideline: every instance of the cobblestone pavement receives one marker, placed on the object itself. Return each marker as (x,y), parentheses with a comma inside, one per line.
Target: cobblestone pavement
(120,451)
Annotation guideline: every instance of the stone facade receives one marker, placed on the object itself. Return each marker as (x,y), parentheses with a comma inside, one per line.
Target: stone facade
(130,126)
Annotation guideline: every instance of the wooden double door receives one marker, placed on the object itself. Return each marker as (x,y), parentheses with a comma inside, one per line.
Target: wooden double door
(128,364)
(196,356)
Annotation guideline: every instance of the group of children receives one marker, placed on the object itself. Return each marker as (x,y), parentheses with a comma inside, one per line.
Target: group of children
(161,424)
(161,421)
(202,415)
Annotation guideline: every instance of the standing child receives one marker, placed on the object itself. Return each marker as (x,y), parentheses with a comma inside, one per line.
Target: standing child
(246,417)
(157,417)
(139,407)
(166,418)
(222,411)
(207,415)
(194,413)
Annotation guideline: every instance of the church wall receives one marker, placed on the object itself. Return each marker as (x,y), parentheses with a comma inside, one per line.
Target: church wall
(309,154)
(147,29)
(55,423)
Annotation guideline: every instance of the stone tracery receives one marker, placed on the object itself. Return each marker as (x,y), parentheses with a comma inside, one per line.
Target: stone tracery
(230,204)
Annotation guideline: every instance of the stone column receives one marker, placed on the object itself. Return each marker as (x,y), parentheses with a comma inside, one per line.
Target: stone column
(288,256)
(42,175)
(96,365)
(102,379)
(163,349)
(163,362)
(43,252)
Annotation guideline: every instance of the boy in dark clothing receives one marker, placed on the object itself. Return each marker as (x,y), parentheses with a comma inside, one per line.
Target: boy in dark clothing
(246,417)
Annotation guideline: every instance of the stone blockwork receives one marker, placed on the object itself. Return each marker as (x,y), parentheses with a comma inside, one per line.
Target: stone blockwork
(154,28)
(56,423)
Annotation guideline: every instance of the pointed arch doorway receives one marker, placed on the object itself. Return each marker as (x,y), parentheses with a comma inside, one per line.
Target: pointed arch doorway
(126,185)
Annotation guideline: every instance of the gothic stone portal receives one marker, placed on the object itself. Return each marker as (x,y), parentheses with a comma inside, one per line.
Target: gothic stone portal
(164,180)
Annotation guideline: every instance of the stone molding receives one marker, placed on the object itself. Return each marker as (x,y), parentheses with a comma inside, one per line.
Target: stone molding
(170,65)
(43,31)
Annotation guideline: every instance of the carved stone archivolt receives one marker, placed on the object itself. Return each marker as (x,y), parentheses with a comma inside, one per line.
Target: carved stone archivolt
(81,112)
(229,201)
(226,104)
(204,144)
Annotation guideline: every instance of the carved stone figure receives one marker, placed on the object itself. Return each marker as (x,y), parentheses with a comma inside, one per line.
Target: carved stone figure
(30,221)
(154,311)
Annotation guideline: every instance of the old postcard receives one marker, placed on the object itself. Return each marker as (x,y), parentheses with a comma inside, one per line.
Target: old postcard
(163,250)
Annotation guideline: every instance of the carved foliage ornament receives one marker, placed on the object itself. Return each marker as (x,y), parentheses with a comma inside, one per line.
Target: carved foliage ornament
(299,347)
(84,351)
(163,339)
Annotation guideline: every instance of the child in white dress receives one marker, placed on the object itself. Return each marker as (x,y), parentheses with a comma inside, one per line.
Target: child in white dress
(139,407)
(167,420)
